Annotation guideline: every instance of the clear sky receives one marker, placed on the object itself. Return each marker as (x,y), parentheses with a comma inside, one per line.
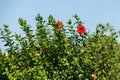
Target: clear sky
(91,12)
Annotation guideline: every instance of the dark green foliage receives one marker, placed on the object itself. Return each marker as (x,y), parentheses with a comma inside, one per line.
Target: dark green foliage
(59,54)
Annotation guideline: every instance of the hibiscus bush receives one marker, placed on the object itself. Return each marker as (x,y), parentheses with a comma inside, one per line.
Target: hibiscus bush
(57,51)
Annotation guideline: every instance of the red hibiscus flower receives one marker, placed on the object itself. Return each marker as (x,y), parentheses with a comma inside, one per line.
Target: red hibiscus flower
(94,75)
(59,25)
(81,29)
(43,50)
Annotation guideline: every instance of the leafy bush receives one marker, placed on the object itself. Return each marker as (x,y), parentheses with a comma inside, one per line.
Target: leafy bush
(55,51)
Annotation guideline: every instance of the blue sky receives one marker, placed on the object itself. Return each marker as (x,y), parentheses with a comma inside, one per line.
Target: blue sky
(91,12)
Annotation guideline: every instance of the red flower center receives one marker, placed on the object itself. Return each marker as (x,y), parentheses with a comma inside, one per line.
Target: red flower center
(81,29)
(59,25)
(94,76)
